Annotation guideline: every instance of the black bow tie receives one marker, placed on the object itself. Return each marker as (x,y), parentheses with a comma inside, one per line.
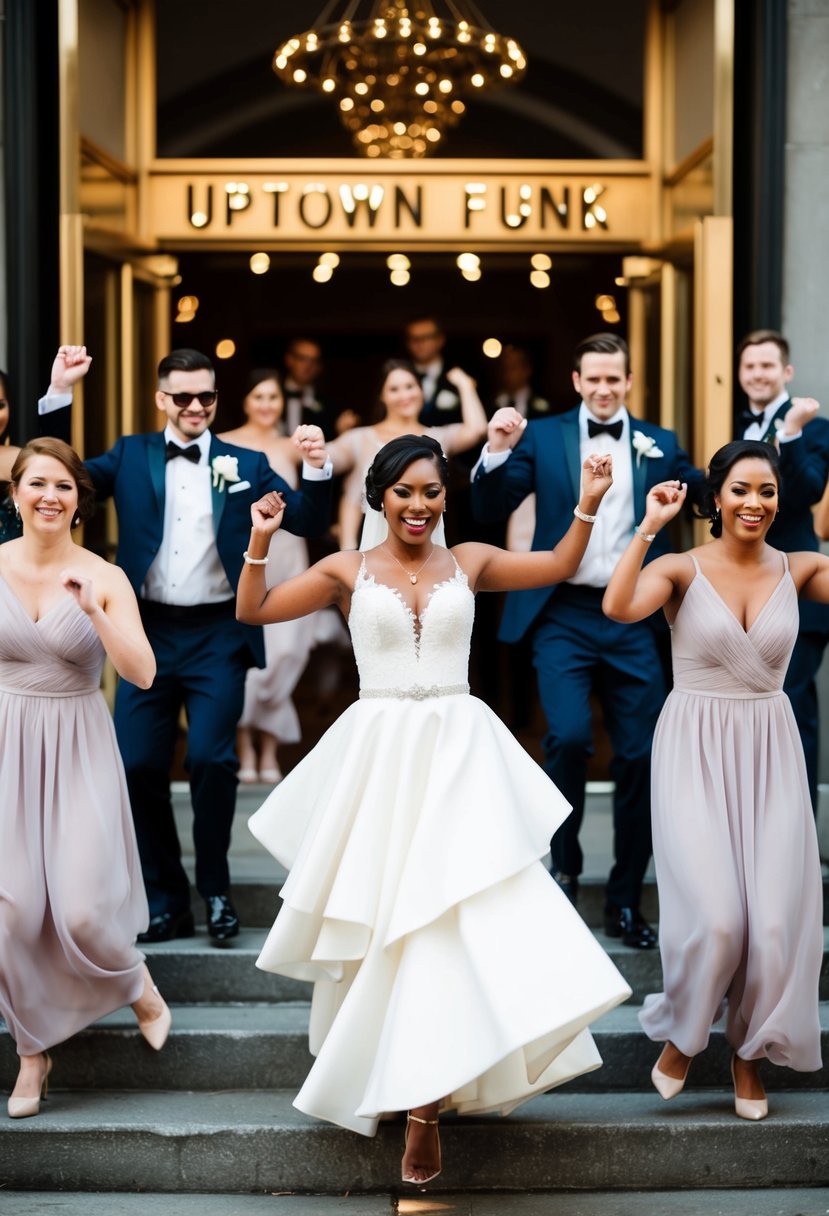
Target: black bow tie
(613,429)
(746,417)
(192,453)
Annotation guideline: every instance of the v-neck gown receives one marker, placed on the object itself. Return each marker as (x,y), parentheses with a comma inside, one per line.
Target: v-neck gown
(71,894)
(446,962)
(734,841)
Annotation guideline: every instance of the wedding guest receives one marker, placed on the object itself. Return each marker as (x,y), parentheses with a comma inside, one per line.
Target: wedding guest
(400,398)
(765,372)
(738,872)
(413,832)
(269,716)
(182,498)
(72,896)
(304,404)
(575,648)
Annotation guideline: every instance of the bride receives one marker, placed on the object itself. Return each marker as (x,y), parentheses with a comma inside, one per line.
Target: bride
(413,833)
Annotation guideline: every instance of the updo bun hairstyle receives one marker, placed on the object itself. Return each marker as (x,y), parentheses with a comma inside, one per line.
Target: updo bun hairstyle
(394,458)
(721,464)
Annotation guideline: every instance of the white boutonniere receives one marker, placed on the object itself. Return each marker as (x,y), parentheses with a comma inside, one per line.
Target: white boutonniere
(645,445)
(225,468)
(540,405)
(446,399)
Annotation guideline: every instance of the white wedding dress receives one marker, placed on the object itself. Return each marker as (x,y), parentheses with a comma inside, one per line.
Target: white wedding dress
(446,962)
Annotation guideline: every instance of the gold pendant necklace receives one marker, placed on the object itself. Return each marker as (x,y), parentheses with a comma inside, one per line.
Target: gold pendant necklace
(411,576)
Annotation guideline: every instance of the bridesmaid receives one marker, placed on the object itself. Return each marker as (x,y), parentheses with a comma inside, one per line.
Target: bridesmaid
(734,839)
(71,894)
(269,717)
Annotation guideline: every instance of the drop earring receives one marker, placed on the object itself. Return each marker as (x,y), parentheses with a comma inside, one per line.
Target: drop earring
(17,508)
(76,521)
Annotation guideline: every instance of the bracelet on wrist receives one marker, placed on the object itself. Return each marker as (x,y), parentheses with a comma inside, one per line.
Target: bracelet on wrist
(647,537)
(255,561)
(583,516)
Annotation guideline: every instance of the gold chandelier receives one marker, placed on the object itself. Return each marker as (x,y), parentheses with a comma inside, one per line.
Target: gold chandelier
(399,71)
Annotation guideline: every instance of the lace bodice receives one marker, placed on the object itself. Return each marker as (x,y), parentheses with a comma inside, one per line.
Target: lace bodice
(396,651)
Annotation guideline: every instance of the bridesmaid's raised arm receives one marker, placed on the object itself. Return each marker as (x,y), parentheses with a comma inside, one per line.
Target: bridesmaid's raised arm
(633,593)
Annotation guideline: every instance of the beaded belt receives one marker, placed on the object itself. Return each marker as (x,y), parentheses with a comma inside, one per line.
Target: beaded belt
(417,692)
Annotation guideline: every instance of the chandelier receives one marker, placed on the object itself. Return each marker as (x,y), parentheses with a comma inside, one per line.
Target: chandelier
(399,71)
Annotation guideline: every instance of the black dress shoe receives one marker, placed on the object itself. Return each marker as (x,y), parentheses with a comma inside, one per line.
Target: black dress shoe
(222,921)
(629,924)
(568,884)
(164,926)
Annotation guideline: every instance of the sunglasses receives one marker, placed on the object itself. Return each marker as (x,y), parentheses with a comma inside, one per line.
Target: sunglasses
(184,399)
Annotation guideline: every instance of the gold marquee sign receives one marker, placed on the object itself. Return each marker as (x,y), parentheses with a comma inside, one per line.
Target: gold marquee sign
(309,207)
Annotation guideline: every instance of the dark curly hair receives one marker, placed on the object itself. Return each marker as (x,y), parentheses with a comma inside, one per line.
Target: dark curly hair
(73,464)
(721,464)
(394,458)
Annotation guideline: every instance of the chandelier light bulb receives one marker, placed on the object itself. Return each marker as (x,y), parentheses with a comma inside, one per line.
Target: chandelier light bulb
(376,58)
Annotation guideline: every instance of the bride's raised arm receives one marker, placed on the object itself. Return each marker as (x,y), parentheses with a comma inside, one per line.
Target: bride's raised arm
(327,582)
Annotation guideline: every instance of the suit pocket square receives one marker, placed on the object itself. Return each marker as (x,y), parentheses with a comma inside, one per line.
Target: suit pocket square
(237,486)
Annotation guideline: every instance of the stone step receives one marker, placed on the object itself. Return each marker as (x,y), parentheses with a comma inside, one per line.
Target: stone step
(194,970)
(265,1047)
(800,1201)
(257,900)
(243,1141)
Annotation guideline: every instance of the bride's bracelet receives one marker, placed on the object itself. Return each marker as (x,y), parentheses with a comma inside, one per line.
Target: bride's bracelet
(587,519)
(255,561)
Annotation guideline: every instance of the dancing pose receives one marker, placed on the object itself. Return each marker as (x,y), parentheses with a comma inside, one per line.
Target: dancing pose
(735,846)
(414,832)
(269,717)
(71,895)
(401,399)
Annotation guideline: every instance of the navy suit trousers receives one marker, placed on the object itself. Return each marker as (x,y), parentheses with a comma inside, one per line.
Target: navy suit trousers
(577,651)
(201,666)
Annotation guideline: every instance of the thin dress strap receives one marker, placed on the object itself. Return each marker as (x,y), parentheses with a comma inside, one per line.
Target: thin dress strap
(696,563)
(361,573)
(785,557)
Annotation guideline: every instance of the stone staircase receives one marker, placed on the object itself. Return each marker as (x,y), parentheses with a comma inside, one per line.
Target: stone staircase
(212,1113)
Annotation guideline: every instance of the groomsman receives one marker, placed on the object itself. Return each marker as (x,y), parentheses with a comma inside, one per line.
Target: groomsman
(303,402)
(764,372)
(576,649)
(183,499)
(425,341)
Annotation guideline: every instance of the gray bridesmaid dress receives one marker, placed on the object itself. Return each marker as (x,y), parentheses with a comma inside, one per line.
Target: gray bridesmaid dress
(71,894)
(735,846)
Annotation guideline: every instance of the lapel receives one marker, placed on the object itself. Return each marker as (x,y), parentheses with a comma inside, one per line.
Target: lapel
(572,449)
(157,465)
(219,496)
(639,468)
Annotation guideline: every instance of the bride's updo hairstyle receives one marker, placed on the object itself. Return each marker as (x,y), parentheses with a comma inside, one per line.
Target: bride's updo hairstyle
(68,457)
(722,462)
(394,458)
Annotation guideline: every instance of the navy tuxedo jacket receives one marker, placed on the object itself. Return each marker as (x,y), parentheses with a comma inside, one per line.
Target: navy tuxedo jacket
(547,462)
(804,469)
(133,473)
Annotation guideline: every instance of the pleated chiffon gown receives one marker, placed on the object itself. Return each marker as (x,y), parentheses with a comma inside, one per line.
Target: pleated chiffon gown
(71,894)
(734,840)
(446,962)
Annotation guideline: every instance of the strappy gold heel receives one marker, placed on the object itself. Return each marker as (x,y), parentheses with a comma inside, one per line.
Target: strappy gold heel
(410,1118)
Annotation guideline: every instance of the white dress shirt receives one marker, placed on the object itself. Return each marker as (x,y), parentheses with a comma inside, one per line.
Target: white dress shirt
(611,533)
(429,375)
(614,526)
(187,569)
(756,430)
(519,400)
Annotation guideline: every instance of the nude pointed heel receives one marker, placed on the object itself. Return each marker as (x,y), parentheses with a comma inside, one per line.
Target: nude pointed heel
(155,1030)
(748,1108)
(410,1118)
(24,1108)
(668,1087)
